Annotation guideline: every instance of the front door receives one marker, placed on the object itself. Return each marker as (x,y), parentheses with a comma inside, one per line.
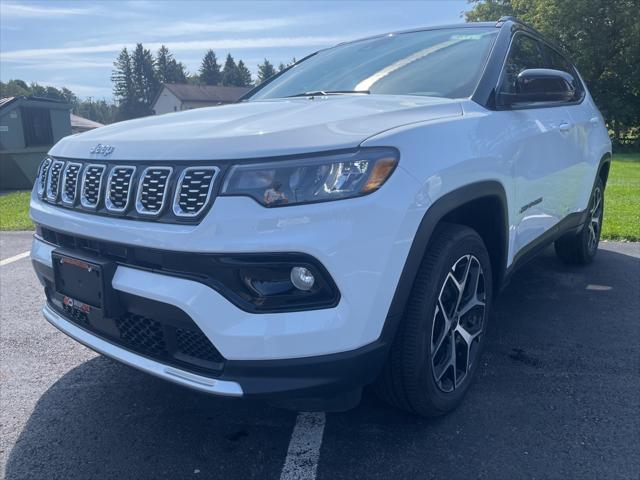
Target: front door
(542,152)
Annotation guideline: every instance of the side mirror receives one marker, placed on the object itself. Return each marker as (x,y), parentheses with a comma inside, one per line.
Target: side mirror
(540,85)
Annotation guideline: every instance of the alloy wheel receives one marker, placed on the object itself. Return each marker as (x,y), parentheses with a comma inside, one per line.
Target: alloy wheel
(595,219)
(458,323)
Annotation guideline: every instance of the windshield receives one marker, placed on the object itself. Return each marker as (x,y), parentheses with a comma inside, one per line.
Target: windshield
(438,63)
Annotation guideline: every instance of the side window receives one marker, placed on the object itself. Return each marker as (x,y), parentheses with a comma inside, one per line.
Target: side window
(525,53)
(557,61)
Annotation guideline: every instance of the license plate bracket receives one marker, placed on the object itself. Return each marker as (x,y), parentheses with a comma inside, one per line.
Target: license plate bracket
(86,279)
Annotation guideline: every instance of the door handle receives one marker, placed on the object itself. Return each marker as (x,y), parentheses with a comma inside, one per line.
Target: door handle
(594,121)
(564,127)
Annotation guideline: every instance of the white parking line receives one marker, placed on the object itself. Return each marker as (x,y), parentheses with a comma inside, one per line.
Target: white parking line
(304,447)
(15,258)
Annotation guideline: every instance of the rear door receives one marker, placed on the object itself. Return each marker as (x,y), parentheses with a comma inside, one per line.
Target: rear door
(541,151)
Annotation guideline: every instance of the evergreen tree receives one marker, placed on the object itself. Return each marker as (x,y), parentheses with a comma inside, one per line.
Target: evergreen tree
(210,70)
(230,72)
(123,89)
(167,69)
(145,82)
(244,75)
(265,71)
(281,66)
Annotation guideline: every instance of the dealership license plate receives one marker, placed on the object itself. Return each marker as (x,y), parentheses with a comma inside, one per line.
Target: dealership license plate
(79,280)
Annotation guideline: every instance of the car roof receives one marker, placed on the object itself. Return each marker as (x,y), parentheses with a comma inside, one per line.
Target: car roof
(424,29)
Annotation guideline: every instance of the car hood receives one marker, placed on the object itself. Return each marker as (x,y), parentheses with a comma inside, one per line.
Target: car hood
(257,129)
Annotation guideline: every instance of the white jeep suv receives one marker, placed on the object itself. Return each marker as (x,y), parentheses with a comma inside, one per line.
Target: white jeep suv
(348,222)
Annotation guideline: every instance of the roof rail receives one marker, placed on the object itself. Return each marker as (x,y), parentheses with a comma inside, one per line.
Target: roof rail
(506,18)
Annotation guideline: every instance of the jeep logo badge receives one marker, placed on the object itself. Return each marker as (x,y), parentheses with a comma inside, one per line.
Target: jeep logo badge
(103,150)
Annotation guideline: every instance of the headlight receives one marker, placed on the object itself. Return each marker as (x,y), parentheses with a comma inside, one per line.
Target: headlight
(312,179)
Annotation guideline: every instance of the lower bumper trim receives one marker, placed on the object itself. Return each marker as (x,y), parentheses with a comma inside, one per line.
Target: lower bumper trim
(172,374)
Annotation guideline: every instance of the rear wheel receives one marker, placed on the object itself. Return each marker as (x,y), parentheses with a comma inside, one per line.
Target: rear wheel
(581,248)
(439,342)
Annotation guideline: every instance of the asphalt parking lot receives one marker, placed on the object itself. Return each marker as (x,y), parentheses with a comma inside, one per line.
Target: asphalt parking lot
(558,396)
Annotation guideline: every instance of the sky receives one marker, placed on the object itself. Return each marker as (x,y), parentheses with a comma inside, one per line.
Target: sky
(74,43)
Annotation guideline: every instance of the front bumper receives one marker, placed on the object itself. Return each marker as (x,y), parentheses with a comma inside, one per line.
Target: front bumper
(362,243)
(166,372)
(282,381)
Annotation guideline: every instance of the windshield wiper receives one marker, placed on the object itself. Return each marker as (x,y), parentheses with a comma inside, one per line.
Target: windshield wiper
(319,93)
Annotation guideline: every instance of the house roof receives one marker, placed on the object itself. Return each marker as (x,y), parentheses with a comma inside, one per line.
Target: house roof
(206,93)
(6,101)
(84,123)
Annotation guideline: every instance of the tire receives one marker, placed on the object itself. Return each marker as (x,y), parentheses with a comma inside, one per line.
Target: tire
(581,248)
(409,378)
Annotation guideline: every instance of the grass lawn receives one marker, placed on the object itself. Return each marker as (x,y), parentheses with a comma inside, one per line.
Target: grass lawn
(621,214)
(14,211)
(622,199)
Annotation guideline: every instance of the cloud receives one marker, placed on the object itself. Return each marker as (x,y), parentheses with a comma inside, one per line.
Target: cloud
(46,54)
(39,10)
(213,25)
(65,64)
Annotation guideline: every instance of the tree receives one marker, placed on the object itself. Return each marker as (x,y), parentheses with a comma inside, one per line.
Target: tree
(167,69)
(123,89)
(281,66)
(14,88)
(68,96)
(244,75)
(230,72)
(265,71)
(602,37)
(97,110)
(210,70)
(145,82)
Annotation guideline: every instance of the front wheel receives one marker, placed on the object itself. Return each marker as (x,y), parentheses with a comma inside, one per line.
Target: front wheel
(437,348)
(581,248)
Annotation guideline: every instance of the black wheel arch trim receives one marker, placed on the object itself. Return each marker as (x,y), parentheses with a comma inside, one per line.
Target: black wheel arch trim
(436,212)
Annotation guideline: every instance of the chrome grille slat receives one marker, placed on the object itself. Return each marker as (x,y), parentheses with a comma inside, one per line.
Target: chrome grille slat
(42,176)
(92,185)
(53,180)
(70,177)
(151,200)
(194,184)
(119,186)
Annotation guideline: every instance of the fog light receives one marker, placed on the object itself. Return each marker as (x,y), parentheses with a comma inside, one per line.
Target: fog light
(302,278)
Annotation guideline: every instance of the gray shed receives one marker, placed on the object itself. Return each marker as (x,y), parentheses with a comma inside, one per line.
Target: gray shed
(29,126)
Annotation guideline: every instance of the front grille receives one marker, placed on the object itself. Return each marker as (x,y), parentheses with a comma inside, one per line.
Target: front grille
(91,186)
(170,193)
(195,344)
(152,190)
(143,334)
(193,190)
(53,181)
(164,332)
(70,178)
(119,188)
(43,175)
